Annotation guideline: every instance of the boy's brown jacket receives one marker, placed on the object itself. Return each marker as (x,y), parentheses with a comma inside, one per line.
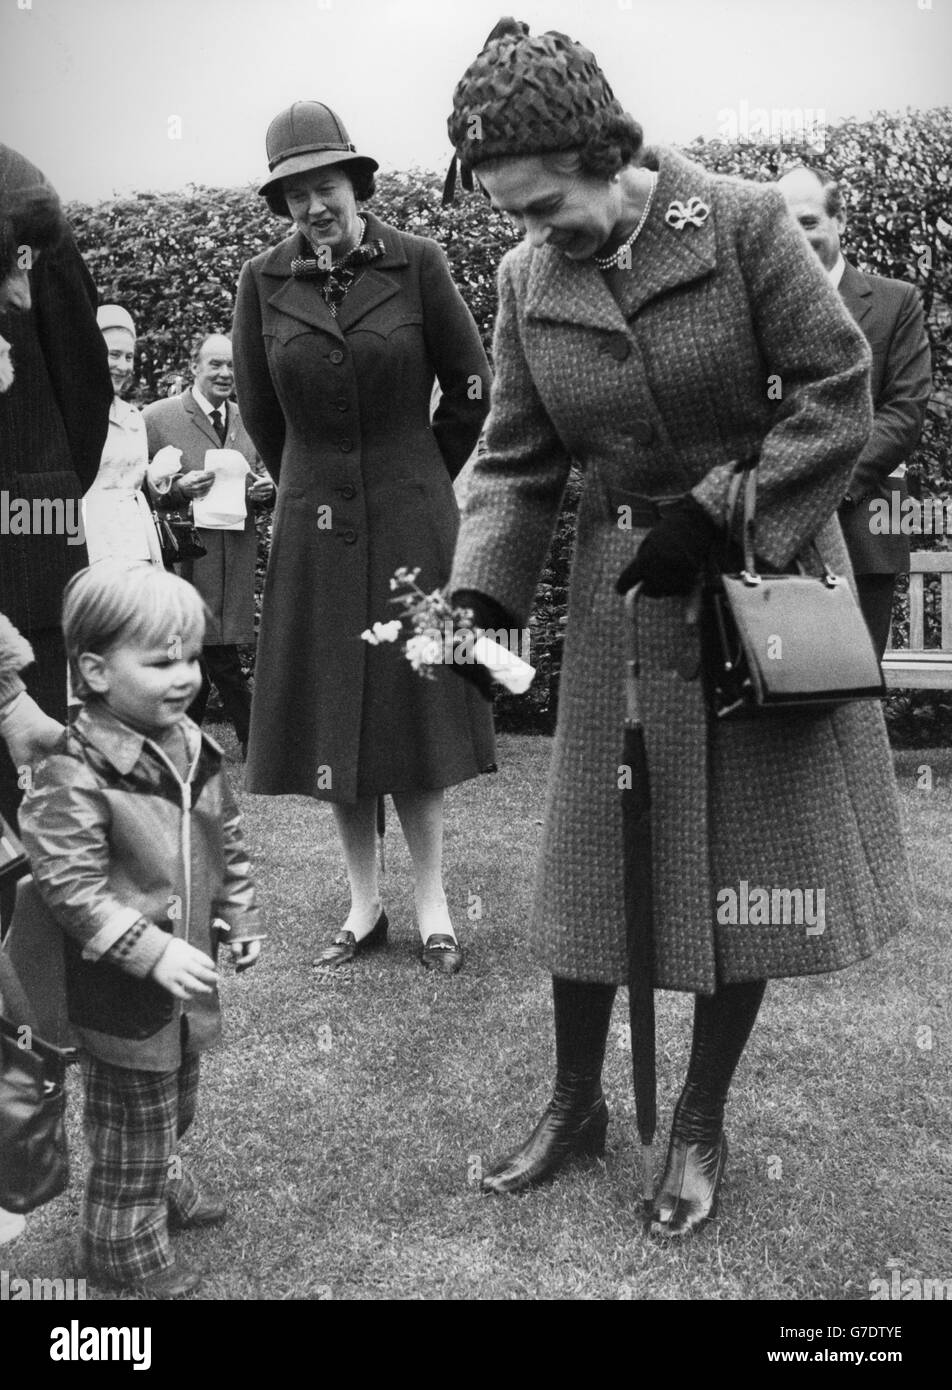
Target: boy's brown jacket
(115,835)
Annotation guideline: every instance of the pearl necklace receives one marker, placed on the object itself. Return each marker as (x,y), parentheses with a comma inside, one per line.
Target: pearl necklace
(614,261)
(360,236)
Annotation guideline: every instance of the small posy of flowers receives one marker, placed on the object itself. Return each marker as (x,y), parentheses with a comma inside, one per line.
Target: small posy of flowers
(434,633)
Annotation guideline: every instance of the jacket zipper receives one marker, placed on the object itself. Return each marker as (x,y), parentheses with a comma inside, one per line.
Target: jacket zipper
(185,835)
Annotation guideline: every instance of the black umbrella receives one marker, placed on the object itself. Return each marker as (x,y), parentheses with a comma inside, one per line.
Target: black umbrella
(636,823)
(381,831)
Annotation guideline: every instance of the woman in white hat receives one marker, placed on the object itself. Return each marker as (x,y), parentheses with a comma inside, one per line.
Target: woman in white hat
(116,513)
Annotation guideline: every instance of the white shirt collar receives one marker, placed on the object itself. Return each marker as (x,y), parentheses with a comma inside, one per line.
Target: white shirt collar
(836,274)
(206,404)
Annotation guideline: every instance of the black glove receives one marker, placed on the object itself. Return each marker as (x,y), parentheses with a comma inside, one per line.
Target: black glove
(486,613)
(673,553)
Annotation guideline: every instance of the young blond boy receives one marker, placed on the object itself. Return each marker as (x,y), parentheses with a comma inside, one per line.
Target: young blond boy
(134,843)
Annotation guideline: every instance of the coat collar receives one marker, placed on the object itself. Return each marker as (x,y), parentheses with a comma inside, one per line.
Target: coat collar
(575,292)
(121,744)
(124,414)
(856,291)
(303,300)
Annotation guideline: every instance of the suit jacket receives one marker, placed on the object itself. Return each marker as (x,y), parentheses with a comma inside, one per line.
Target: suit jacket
(53,420)
(889,313)
(225,577)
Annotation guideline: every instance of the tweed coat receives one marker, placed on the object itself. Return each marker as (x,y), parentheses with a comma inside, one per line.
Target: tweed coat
(656,395)
(340,410)
(225,577)
(890,315)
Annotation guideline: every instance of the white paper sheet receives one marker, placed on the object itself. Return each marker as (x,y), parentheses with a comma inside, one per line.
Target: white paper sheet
(223,508)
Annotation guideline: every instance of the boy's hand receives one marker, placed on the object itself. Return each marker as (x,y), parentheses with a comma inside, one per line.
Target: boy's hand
(184,971)
(244,954)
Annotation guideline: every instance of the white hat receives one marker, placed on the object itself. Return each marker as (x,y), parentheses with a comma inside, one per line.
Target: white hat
(114,316)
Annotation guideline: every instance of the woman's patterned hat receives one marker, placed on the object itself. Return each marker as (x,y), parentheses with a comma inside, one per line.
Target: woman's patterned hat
(523,96)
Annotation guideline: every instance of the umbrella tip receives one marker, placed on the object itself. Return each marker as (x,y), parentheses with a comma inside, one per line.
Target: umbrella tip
(647,1162)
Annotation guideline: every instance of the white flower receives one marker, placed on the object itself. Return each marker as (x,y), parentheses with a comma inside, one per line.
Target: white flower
(423,649)
(383,632)
(6,366)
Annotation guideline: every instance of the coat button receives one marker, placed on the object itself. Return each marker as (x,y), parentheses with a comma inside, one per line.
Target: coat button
(337,357)
(642,431)
(618,346)
(345,445)
(347,492)
(342,403)
(349,537)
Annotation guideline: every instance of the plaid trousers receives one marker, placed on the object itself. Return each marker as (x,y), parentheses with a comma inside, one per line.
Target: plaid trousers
(132,1121)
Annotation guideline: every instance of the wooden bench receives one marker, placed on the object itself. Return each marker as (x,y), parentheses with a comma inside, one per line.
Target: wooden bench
(917,666)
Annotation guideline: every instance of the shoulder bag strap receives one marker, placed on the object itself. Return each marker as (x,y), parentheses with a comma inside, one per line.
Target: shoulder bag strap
(16,1007)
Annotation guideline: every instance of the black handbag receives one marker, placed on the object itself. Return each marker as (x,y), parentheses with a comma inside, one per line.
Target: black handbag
(178,539)
(780,643)
(34,1158)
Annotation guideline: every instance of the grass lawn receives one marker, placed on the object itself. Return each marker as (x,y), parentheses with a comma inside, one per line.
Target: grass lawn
(345,1117)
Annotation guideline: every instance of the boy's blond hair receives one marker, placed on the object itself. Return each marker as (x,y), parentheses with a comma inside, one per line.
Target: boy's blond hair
(118,601)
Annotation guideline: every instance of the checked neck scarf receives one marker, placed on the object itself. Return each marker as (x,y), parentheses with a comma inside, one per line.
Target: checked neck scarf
(334,282)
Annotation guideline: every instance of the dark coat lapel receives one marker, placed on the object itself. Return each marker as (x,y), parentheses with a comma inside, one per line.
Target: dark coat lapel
(663,257)
(301,299)
(374,287)
(198,417)
(856,292)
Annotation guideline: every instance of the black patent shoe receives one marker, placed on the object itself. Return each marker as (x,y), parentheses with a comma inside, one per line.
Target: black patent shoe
(566,1131)
(690,1188)
(442,953)
(345,945)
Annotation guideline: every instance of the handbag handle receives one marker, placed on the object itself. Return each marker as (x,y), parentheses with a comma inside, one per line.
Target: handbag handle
(745,480)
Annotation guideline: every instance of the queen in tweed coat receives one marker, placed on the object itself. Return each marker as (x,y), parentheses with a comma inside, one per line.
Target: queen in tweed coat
(727,336)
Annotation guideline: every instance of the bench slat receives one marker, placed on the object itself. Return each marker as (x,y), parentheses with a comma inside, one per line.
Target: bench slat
(916,613)
(930,562)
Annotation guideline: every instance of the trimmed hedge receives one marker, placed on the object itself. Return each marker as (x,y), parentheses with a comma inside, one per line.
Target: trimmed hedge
(173,261)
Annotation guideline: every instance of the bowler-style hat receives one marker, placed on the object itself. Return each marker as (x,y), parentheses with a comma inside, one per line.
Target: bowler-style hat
(308,135)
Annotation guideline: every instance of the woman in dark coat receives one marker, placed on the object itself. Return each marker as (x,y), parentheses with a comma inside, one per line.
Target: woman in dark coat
(339,333)
(641,324)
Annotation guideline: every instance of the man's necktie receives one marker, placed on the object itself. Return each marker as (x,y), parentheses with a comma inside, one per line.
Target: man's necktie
(218,420)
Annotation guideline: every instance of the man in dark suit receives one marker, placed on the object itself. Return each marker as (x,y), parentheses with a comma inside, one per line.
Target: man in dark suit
(200,419)
(889,313)
(53,422)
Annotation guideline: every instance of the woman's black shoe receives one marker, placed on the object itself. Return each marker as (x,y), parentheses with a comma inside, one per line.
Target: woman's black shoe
(442,953)
(345,945)
(567,1130)
(688,1195)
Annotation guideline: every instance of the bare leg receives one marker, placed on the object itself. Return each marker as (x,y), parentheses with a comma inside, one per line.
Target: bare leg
(421,816)
(356,826)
